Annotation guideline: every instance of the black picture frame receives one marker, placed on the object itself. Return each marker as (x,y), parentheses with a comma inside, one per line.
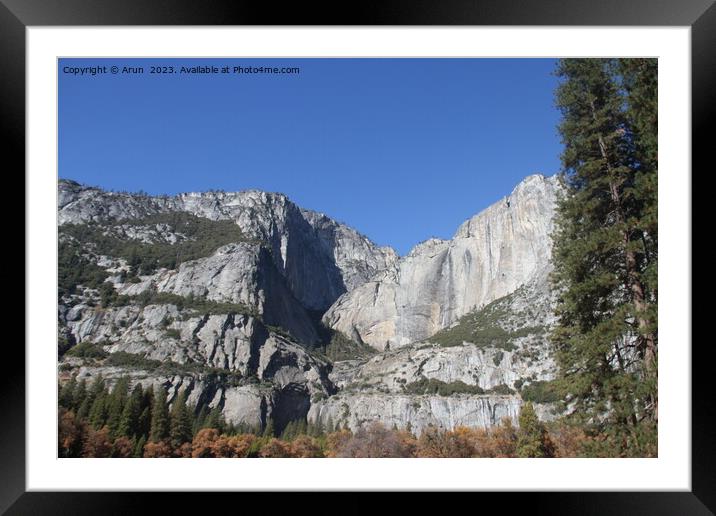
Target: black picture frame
(17,15)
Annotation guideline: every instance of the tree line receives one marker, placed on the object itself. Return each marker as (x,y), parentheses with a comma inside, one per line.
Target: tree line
(96,421)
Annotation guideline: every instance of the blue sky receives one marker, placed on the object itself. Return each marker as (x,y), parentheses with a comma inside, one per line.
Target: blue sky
(400,149)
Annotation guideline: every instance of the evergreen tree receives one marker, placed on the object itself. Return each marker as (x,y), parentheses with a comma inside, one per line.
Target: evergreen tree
(603,247)
(98,410)
(200,419)
(532,435)
(67,393)
(84,408)
(79,395)
(145,421)
(640,80)
(97,387)
(215,419)
(181,421)
(139,448)
(129,422)
(160,416)
(145,417)
(115,405)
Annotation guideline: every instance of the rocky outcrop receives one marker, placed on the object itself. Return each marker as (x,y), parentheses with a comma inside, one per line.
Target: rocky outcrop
(414,412)
(503,348)
(236,343)
(484,367)
(232,362)
(319,257)
(490,256)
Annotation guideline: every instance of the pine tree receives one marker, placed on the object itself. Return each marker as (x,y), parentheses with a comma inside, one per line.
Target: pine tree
(181,421)
(160,416)
(98,410)
(139,448)
(129,422)
(79,395)
(84,408)
(67,393)
(97,387)
(215,419)
(145,417)
(640,81)
(115,405)
(606,333)
(532,435)
(200,419)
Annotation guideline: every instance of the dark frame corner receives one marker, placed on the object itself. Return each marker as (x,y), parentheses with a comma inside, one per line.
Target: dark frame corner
(700,15)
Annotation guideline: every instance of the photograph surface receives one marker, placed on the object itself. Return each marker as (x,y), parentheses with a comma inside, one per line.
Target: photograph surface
(357,257)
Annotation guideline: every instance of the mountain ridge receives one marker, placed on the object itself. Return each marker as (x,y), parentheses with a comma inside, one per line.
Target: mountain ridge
(251,308)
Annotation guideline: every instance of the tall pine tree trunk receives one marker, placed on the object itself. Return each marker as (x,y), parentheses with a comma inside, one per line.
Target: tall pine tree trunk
(646,338)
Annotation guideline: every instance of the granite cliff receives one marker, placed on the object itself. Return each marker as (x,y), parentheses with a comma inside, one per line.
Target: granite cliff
(270,311)
(439,281)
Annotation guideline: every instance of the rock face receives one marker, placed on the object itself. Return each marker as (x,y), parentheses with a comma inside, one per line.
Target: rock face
(415,412)
(478,366)
(459,326)
(490,256)
(319,258)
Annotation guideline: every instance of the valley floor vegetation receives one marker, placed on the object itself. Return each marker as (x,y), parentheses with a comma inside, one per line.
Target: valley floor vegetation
(95,421)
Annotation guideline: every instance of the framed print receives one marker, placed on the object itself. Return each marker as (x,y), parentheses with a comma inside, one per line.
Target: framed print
(417,250)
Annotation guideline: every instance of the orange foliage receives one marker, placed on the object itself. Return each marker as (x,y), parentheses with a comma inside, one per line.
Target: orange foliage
(374,441)
(97,443)
(204,441)
(439,443)
(69,433)
(305,447)
(158,449)
(276,448)
(568,441)
(183,451)
(233,446)
(122,447)
(336,441)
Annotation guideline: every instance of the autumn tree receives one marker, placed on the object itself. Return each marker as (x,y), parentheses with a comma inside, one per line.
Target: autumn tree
(204,442)
(276,448)
(70,434)
(373,440)
(157,449)
(123,447)
(97,443)
(306,447)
